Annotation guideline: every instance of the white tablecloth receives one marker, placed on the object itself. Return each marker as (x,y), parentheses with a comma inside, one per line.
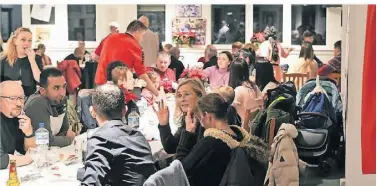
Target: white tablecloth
(148,126)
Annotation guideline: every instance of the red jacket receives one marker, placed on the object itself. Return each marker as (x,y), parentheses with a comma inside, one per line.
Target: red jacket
(100,46)
(72,74)
(120,47)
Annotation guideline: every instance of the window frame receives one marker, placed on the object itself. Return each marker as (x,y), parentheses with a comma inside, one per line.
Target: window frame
(88,44)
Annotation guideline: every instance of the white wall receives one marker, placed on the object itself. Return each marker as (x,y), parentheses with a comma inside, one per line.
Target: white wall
(352,69)
(58,47)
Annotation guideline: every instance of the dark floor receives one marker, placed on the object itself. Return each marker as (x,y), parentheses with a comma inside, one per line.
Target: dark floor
(313,177)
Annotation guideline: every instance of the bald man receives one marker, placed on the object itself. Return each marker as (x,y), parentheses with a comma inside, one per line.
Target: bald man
(150,44)
(16,132)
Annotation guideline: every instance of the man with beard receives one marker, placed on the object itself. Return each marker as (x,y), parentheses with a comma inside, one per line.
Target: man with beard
(16,132)
(48,106)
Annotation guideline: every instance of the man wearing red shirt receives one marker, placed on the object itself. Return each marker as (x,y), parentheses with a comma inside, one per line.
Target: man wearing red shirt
(125,47)
(167,75)
(114,28)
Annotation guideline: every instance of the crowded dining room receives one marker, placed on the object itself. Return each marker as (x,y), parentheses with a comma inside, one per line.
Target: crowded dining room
(188,94)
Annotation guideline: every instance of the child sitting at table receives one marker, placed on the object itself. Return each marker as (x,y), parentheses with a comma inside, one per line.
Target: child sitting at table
(148,95)
(123,77)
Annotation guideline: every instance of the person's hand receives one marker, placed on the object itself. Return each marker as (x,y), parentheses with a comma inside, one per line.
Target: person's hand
(162,113)
(24,160)
(25,125)
(30,54)
(191,121)
(70,133)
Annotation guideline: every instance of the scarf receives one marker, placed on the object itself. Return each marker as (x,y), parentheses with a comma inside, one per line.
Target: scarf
(128,95)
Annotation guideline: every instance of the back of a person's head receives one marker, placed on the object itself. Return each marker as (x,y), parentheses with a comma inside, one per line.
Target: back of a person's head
(145,20)
(110,67)
(264,73)
(211,51)
(49,72)
(108,101)
(135,25)
(338,45)
(214,104)
(226,92)
(307,33)
(306,51)
(173,51)
(41,46)
(78,50)
(239,73)
(168,46)
(237,45)
(119,73)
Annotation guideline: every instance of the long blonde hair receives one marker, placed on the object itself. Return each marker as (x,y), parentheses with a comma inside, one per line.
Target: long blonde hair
(198,88)
(10,52)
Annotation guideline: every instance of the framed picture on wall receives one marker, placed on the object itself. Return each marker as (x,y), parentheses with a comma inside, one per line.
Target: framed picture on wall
(42,14)
(189,10)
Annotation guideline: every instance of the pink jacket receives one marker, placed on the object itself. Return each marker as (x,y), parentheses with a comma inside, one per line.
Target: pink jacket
(217,77)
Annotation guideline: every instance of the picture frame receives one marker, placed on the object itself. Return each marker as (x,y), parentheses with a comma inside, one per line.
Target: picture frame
(189,10)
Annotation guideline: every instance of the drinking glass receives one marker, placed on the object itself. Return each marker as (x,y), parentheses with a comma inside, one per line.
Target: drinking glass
(53,155)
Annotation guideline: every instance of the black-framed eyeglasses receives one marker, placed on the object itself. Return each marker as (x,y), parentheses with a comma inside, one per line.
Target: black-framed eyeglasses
(14,98)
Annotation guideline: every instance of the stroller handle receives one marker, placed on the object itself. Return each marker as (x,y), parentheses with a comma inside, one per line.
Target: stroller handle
(312,113)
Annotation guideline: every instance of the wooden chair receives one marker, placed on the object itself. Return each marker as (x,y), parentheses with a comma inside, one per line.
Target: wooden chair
(249,117)
(337,77)
(271,132)
(297,78)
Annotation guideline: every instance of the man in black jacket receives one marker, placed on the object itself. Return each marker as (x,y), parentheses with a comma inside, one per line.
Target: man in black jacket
(117,154)
(212,56)
(175,63)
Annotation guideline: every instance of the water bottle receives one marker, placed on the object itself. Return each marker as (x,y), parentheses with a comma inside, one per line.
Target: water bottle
(42,137)
(133,119)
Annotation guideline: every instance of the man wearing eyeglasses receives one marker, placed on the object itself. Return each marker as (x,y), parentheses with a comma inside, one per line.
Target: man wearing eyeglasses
(16,132)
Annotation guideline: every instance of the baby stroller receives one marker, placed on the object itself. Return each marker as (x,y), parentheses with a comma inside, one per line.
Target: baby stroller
(319,123)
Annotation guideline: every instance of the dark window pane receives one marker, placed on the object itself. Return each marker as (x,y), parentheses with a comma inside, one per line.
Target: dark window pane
(82,22)
(268,16)
(228,24)
(10,20)
(156,16)
(310,18)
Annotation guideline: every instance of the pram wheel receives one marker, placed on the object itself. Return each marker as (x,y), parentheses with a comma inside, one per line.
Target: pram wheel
(324,168)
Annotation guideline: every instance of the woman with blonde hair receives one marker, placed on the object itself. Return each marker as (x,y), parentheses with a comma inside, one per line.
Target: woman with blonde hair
(188,93)
(19,62)
(305,63)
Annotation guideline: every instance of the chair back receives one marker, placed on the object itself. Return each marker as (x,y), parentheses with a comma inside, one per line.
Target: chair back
(298,79)
(335,76)
(249,117)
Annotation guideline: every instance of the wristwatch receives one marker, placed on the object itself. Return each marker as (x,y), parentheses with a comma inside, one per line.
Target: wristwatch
(30,136)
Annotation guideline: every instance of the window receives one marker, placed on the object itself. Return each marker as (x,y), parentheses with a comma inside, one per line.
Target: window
(156,16)
(82,22)
(268,16)
(228,24)
(309,18)
(10,19)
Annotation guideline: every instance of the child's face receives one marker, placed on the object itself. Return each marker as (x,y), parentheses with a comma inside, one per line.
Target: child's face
(127,83)
(157,83)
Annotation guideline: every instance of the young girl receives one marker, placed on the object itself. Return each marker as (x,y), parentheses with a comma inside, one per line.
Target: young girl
(123,77)
(148,95)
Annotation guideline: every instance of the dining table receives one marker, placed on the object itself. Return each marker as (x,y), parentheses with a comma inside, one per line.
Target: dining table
(63,174)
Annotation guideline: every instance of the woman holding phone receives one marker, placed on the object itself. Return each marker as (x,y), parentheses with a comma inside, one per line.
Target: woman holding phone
(18,62)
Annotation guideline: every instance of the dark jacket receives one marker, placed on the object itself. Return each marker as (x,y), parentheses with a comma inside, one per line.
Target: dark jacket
(117,155)
(170,142)
(211,62)
(177,66)
(248,164)
(88,75)
(205,162)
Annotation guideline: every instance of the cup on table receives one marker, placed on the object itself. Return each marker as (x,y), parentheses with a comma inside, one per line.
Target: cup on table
(53,155)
